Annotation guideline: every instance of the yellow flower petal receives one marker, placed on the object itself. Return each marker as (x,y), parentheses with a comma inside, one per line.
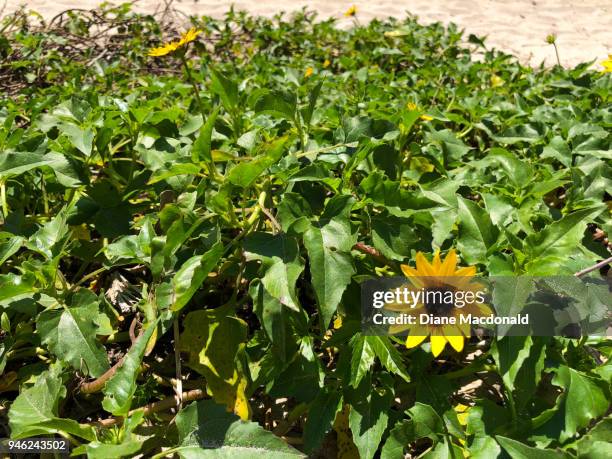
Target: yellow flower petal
(468,271)
(426,117)
(424,268)
(456,342)
(449,264)
(438,342)
(436,262)
(413,275)
(414,340)
(352,11)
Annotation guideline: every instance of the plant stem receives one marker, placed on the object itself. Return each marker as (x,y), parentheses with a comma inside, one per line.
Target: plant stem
(177,359)
(557,54)
(601,264)
(196,91)
(3,199)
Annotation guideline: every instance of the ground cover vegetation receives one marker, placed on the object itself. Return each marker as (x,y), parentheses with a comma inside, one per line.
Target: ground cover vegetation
(187,216)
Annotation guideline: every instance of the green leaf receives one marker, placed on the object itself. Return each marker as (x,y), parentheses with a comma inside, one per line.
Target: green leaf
(98,450)
(562,236)
(362,359)
(363,351)
(518,450)
(34,411)
(245,173)
(510,296)
(281,263)
(275,320)
(427,423)
(476,232)
(398,440)
(453,148)
(321,415)
(303,378)
(312,101)
(201,149)
(584,400)
(510,353)
(119,390)
(192,273)
(207,430)
(16,163)
(329,243)
(70,334)
(12,285)
(225,88)
(519,172)
(389,356)
(368,417)
(393,237)
(47,240)
(38,402)
(277,103)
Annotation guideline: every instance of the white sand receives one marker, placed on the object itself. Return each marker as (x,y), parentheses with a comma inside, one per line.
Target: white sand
(583,28)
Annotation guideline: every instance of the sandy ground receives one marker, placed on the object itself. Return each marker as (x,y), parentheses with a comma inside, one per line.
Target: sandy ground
(520,27)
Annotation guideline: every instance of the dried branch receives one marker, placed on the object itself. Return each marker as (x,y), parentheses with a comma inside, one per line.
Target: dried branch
(155,407)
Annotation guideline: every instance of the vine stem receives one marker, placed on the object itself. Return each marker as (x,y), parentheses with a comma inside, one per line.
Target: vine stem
(177,358)
(599,265)
(3,201)
(155,407)
(98,384)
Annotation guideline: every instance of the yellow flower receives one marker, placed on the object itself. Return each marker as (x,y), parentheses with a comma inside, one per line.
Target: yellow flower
(496,81)
(309,71)
(351,12)
(607,64)
(186,38)
(411,106)
(439,276)
(189,36)
(326,63)
(163,50)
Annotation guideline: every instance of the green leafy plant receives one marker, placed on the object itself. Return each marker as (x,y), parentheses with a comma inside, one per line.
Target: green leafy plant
(183,237)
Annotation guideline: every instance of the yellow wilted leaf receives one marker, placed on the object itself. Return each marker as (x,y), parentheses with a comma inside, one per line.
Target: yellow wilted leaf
(346,447)
(215,341)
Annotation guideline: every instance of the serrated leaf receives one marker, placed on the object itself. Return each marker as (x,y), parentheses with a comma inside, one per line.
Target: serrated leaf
(321,415)
(328,243)
(510,353)
(476,232)
(561,236)
(70,334)
(368,417)
(281,263)
(584,400)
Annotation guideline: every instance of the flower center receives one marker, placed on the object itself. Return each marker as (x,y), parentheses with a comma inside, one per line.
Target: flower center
(439,301)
